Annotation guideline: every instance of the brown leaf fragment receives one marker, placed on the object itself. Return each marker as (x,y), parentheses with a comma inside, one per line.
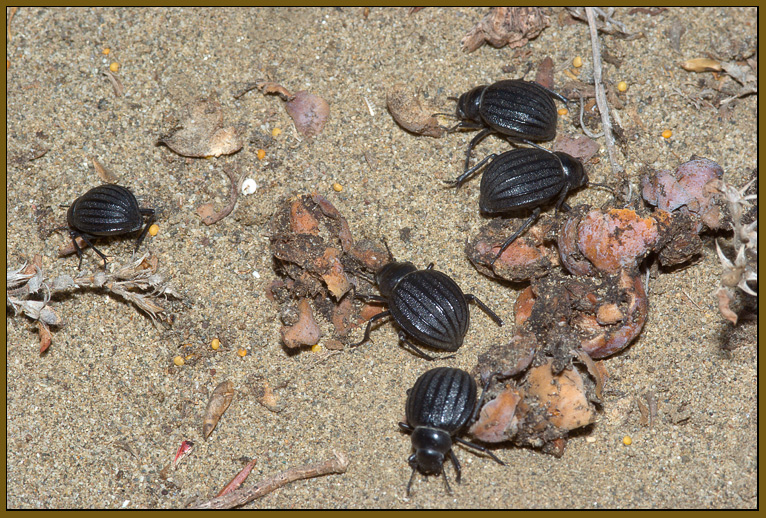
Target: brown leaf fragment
(413,112)
(512,26)
(238,479)
(270,87)
(216,406)
(309,113)
(725,298)
(199,131)
(580,146)
(305,332)
(701,65)
(45,336)
(105,174)
(545,73)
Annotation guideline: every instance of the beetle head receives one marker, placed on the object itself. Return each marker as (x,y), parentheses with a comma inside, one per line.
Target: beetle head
(431,444)
(390,275)
(574,171)
(468,104)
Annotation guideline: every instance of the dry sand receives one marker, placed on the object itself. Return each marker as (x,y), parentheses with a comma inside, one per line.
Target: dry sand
(109,380)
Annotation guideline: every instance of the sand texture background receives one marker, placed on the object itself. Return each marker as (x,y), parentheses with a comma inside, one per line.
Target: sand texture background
(93,422)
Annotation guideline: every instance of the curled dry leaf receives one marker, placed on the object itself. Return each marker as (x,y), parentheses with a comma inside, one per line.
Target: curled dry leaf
(412,112)
(512,26)
(701,65)
(199,131)
(216,406)
(309,113)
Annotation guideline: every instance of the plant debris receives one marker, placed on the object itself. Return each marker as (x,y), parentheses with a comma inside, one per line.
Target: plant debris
(198,131)
(207,212)
(412,111)
(105,174)
(338,464)
(238,480)
(318,261)
(138,282)
(512,26)
(218,404)
(308,111)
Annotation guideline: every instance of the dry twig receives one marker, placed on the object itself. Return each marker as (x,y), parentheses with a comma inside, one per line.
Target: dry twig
(617,169)
(337,464)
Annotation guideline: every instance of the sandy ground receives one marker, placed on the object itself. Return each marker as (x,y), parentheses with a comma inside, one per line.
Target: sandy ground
(108,383)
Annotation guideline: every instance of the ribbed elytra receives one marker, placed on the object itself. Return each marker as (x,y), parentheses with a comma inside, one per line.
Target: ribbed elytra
(440,404)
(526,177)
(442,398)
(519,109)
(427,305)
(106,210)
(431,308)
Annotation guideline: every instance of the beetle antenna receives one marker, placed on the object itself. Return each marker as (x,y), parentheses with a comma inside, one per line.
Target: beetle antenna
(409,484)
(390,255)
(446,481)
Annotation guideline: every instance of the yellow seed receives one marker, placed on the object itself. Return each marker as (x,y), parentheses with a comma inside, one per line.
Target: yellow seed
(154,230)
(178,361)
(114,67)
(242,353)
(106,51)
(337,187)
(627,441)
(622,86)
(316,348)
(563,111)
(275,132)
(261,154)
(215,344)
(577,62)
(667,134)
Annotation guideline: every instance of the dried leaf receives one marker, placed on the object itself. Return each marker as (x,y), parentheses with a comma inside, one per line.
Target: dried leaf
(305,332)
(545,73)
(724,299)
(237,480)
(219,402)
(701,65)
(117,86)
(105,174)
(412,112)
(309,113)
(200,132)
(270,87)
(512,26)
(45,336)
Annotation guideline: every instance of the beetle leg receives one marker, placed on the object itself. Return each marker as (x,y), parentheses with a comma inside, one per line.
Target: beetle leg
(152,218)
(414,348)
(480,448)
(457,466)
(530,143)
(409,484)
(369,326)
(463,177)
(527,223)
(555,94)
(474,141)
(405,427)
(481,399)
(370,298)
(79,251)
(465,125)
(484,307)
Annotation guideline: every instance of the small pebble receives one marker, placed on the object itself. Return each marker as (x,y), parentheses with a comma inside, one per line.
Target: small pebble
(114,67)
(249,186)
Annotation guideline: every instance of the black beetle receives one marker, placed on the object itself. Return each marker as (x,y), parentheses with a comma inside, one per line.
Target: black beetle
(440,404)
(519,110)
(525,178)
(426,304)
(106,210)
